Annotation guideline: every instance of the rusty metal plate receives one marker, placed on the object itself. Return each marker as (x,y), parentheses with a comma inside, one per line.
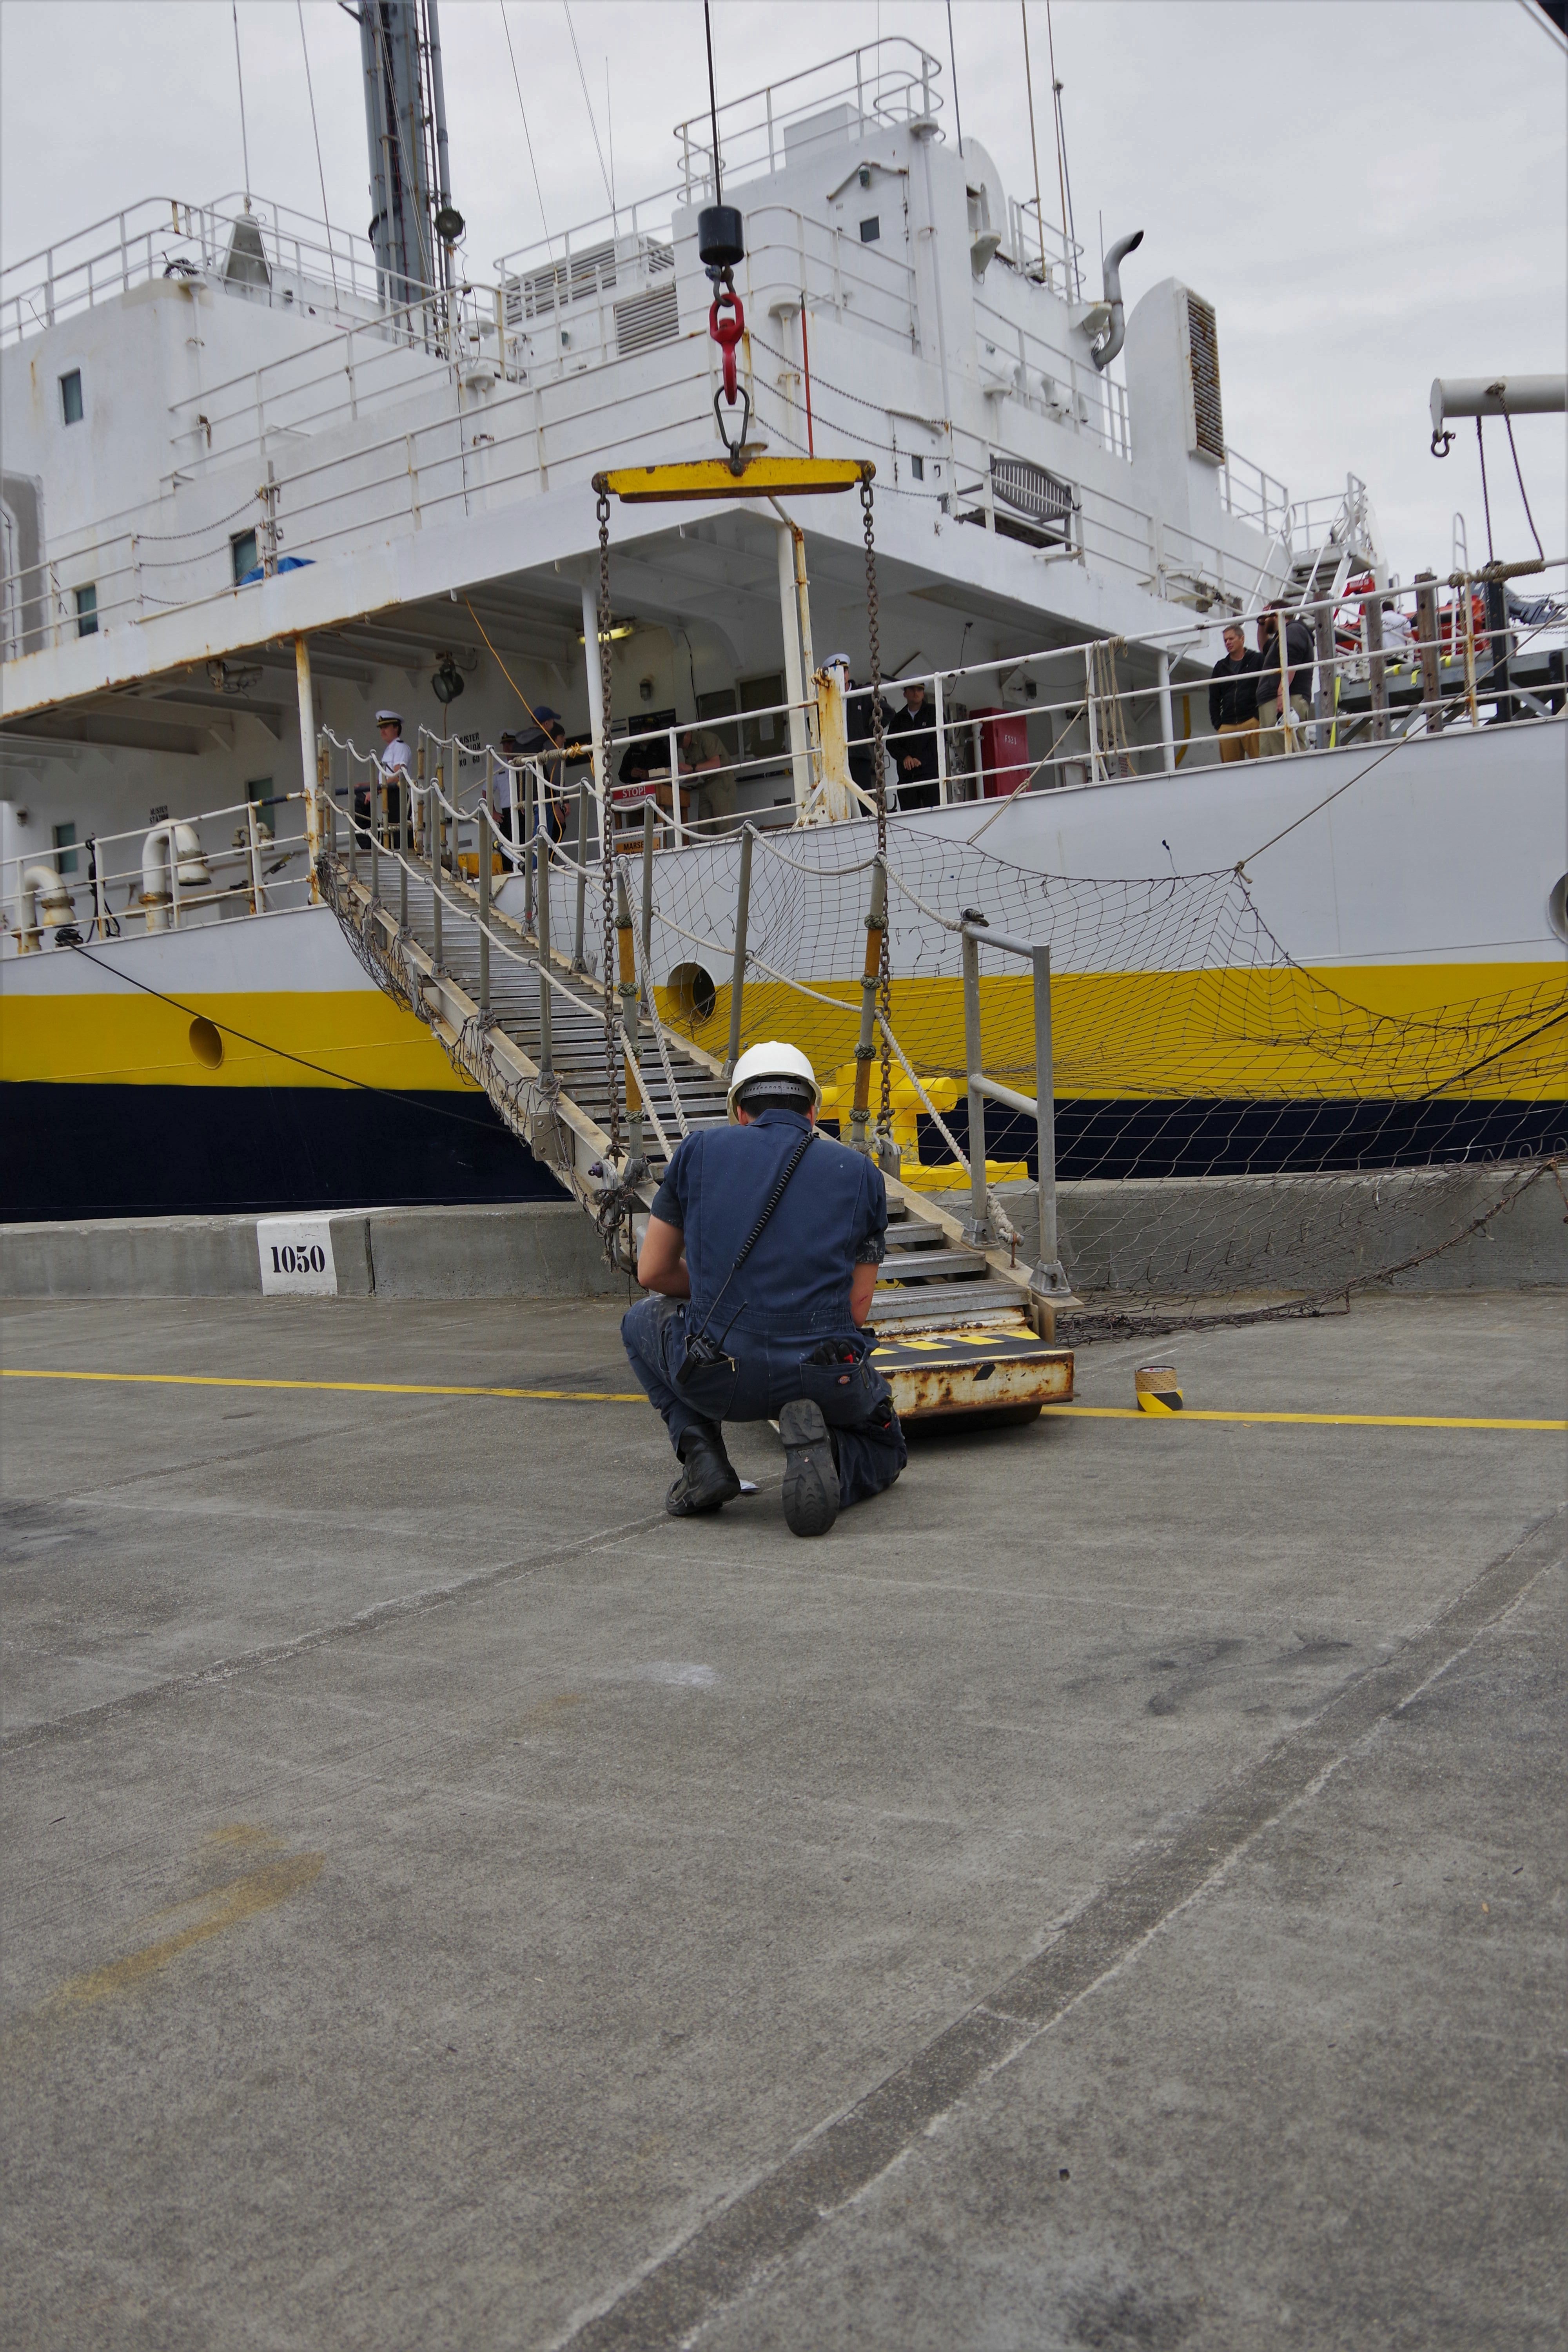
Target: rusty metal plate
(973,1371)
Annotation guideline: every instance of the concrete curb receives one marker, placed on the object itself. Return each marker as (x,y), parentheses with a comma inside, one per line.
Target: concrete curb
(1169,1237)
(526,1249)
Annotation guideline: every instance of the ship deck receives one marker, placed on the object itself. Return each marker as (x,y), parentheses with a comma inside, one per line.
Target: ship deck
(1102,1894)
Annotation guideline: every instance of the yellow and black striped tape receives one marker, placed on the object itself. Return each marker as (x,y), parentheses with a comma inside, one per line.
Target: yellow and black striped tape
(1157,1388)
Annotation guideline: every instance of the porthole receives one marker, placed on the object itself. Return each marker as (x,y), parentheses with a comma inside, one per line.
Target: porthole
(207,1042)
(1557,908)
(692,994)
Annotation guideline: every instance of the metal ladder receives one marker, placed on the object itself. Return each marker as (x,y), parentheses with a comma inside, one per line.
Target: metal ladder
(956,1328)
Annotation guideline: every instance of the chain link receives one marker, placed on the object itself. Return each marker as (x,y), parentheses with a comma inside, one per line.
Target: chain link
(879,791)
(606,845)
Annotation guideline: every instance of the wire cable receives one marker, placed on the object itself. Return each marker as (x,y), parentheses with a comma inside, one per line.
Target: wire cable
(592,122)
(528,137)
(1485,502)
(321,173)
(1530,519)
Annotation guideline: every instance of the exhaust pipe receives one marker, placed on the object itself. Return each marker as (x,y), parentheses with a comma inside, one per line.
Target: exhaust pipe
(1105,351)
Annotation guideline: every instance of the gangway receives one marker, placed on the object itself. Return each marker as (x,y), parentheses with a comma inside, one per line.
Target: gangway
(958,1329)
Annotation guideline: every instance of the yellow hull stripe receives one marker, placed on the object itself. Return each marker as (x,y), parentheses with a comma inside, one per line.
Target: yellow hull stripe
(1481,1031)
(634,1396)
(125,1038)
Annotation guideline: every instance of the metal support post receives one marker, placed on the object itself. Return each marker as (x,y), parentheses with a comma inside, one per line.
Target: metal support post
(1092,713)
(373,829)
(1497,625)
(577,962)
(1376,667)
(794,684)
(941,742)
(1328,674)
(404,837)
(738,970)
(628,996)
(546,1033)
(1426,641)
(435,825)
(1167,713)
(1467,593)
(648,832)
(977,1233)
(674,758)
(1046,1276)
(866,1050)
(308,762)
(348,805)
(528,822)
(483,878)
(328,815)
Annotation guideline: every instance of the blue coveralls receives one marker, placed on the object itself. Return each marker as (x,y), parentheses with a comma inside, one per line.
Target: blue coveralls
(789,1302)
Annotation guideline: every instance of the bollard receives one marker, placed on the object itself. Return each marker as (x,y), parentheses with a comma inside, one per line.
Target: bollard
(546,1061)
(866,1050)
(738,971)
(1157,1388)
(483,837)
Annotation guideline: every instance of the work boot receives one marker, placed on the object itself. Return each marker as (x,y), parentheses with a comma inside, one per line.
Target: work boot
(706,1480)
(811,1469)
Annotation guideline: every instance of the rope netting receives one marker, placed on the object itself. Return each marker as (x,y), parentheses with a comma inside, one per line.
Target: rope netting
(1188,1041)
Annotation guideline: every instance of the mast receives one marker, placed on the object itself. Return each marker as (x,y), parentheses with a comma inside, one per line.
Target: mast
(412,223)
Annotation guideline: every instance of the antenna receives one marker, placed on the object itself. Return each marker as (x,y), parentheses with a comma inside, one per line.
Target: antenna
(713,103)
(953,61)
(321,173)
(1069,239)
(1033,149)
(239,76)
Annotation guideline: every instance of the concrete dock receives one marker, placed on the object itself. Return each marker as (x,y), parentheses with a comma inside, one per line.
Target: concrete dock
(1108,1893)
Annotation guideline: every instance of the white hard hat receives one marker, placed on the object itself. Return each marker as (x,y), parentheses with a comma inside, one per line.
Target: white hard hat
(772,1059)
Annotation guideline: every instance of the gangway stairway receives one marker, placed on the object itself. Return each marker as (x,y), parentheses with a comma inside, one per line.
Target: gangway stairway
(957,1330)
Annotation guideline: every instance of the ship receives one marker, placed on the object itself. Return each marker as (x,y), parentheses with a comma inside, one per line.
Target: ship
(265,479)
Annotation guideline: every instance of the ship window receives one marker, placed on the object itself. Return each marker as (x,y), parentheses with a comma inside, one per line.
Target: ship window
(70,396)
(870,230)
(86,612)
(917,468)
(64,849)
(763,738)
(242,553)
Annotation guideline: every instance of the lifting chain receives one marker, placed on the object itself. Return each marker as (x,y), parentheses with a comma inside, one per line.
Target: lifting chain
(880,791)
(606,842)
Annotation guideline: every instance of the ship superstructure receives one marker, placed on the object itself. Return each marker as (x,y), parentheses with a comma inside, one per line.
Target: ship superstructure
(263,479)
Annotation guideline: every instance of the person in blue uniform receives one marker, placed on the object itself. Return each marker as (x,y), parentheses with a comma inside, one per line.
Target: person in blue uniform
(761,1252)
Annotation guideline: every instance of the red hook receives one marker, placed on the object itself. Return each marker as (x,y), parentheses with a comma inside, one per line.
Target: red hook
(727,333)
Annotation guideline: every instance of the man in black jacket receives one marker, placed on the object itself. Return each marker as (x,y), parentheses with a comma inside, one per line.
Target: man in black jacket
(1297,666)
(911,744)
(1232,696)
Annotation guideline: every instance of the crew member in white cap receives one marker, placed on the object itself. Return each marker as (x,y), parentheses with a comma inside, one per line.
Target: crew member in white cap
(763,1250)
(395,767)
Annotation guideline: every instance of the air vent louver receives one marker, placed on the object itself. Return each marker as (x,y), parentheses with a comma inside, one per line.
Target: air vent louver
(1203,357)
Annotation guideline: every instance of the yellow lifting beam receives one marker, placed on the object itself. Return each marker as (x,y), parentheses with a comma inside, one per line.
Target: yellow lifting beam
(712,478)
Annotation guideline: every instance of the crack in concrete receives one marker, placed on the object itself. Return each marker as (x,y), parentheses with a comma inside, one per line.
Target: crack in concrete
(768,2217)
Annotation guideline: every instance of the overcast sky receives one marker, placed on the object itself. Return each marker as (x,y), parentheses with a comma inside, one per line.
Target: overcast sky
(1371,193)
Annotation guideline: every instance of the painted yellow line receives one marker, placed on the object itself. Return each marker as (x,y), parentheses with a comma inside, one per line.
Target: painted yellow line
(634,1396)
(1318,1420)
(345,1388)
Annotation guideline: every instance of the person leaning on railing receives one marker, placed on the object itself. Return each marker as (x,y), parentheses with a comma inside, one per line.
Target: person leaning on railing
(1298,665)
(1233,695)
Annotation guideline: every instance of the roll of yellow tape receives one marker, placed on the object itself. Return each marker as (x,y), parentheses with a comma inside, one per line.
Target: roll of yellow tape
(1157,1388)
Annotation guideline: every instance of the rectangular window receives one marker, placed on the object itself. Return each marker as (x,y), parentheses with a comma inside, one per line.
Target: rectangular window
(917,468)
(70,396)
(64,849)
(870,230)
(86,612)
(763,738)
(242,553)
